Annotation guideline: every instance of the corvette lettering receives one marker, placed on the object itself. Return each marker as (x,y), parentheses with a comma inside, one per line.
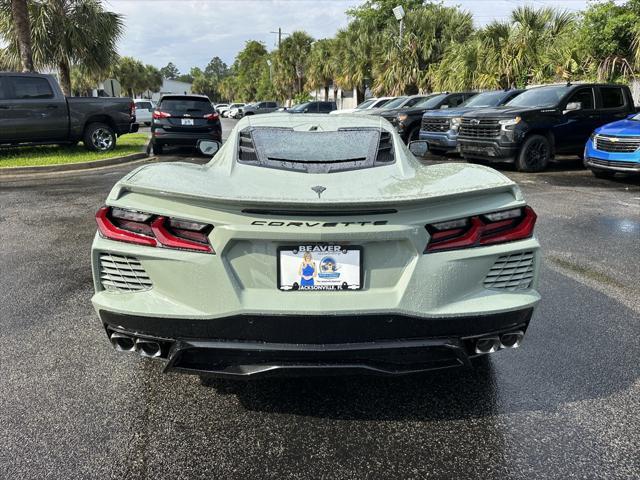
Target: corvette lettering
(316,224)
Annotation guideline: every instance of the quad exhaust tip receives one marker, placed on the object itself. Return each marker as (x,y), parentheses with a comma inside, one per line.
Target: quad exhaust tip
(148,348)
(122,342)
(127,343)
(493,344)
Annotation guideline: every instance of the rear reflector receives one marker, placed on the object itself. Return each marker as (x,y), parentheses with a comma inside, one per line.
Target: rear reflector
(487,229)
(154,231)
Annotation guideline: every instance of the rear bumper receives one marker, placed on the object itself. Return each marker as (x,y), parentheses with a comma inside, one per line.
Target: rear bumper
(184,138)
(267,345)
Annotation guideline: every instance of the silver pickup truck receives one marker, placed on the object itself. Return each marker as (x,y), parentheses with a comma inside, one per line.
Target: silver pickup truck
(34,111)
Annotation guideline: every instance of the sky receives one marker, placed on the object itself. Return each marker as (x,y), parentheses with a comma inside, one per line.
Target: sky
(190,32)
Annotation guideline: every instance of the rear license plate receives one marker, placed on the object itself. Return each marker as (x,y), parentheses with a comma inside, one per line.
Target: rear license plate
(320,267)
(187,121)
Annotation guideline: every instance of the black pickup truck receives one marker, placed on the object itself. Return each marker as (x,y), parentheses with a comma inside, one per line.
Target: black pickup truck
(34,111)
(541,122)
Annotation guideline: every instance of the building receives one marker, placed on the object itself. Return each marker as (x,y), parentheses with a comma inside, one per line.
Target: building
(169,87)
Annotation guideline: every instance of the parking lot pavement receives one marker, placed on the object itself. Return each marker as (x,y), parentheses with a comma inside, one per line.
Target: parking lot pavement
(565,405)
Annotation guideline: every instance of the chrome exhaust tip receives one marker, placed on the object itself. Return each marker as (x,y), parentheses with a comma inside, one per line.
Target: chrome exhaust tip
(148,348)
(511,339)
(487,345)
(122,342)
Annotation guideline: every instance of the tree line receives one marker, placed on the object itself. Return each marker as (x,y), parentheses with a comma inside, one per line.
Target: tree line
(439,49)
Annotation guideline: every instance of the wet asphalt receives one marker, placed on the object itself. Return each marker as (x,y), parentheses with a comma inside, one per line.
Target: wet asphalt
(564,405)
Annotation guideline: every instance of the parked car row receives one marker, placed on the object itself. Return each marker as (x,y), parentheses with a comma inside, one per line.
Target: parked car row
(525,127)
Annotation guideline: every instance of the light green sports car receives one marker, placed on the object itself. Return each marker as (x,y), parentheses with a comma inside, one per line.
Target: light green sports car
(313,243)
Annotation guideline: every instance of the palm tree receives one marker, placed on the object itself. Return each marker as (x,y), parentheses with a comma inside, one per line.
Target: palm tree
(354,50)
(18,12)
(321,69)
(403,63)
(66,33)
(292,59)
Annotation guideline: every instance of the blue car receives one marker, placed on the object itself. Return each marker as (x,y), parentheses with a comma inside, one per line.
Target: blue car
(440,127)
(614,147)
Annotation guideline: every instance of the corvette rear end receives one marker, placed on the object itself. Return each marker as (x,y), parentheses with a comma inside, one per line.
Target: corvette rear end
(314,245)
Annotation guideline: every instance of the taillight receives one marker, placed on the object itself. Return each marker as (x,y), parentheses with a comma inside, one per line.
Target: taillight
(132,109)
(153,230)
(158,114)
(480,230)
(212,116)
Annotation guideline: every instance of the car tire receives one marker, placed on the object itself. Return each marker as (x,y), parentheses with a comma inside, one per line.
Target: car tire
(99,137)
(534,155)
(157,148)
(606,174)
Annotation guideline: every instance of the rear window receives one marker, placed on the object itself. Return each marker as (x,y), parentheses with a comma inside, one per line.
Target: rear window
(29,88)
(192,106)
(315,152)
(144,105)
(612,97)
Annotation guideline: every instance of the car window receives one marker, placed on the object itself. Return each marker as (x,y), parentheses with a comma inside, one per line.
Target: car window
(395,103)
(190,106)
(431,101)
(485,99)
(325,107)
(28,88)
(144,105)
(413,101)
(612,97)
(585,97)
(381,103)
(272,105)
(540,97)
(454,101)
(365,104)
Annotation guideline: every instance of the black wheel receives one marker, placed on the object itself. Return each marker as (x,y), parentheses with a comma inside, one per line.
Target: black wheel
(99,137)
(437,151)
(156,148)
(534,155)
(603,174)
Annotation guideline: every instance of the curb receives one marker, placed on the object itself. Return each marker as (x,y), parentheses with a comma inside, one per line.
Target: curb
(67,167)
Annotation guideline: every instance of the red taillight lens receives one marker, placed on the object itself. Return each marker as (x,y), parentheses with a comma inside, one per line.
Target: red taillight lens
(212,116)
(132,109)
(175,238)
(109,228)
(488,229)
(158,114)
(153,231)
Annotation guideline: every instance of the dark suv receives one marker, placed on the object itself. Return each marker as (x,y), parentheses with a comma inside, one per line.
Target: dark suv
(440,127)
(313,107)
(183,120)
(540,122)
(407,120)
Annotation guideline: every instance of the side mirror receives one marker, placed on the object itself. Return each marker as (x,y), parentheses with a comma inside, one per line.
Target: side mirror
(573,106)
(419,148)
(208,147)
